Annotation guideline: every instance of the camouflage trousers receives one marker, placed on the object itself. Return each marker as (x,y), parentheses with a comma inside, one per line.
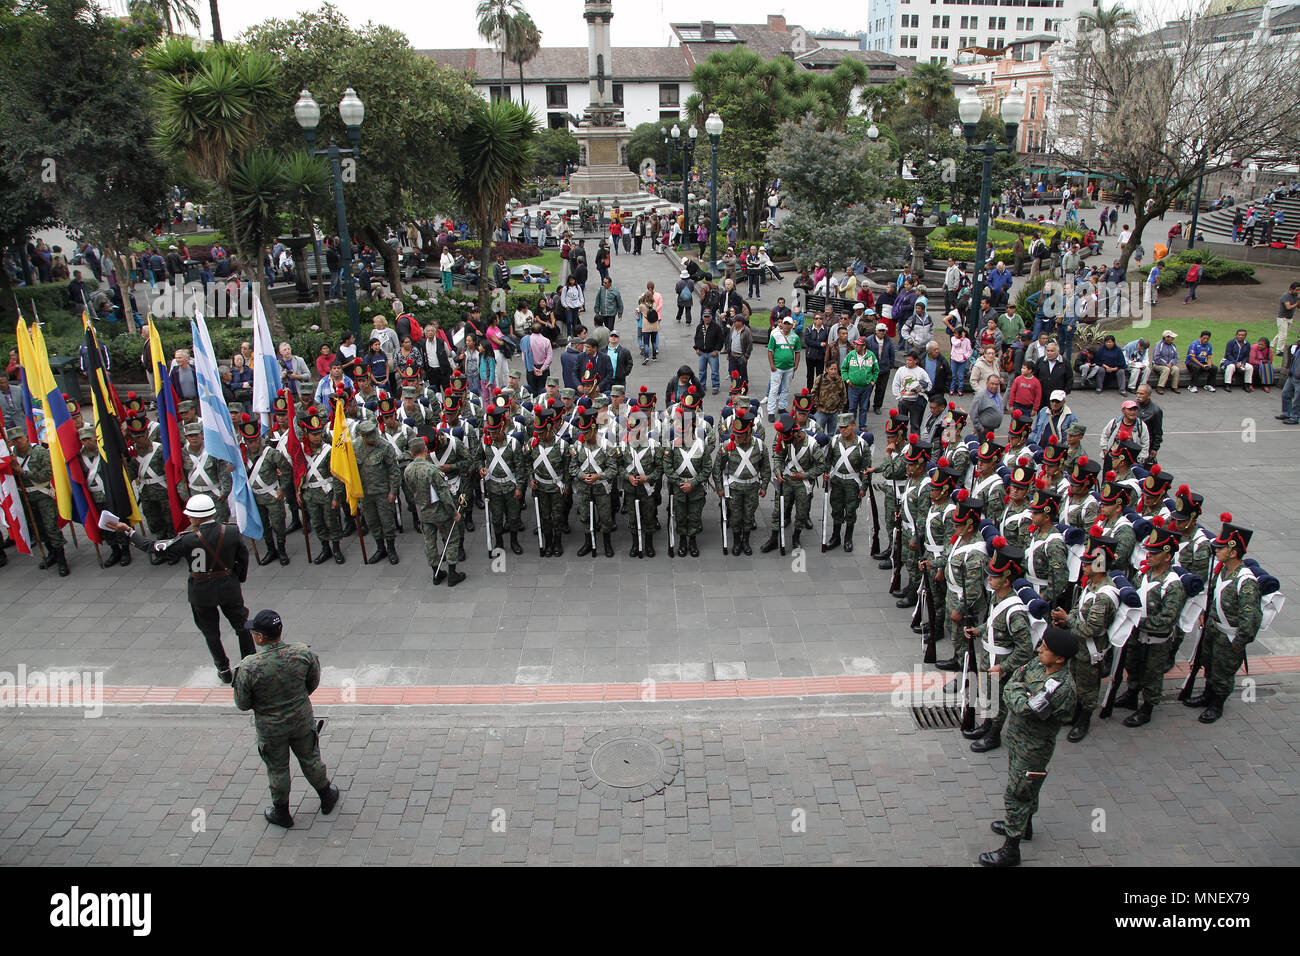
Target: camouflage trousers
(46,519)
(271,511)
(157,513)
(1008,664)
(380,515)
(688,509)
(798,504)
(505,512)
(887,517)
(589,498)
(1222,659)
(550,505)
(1087,676)
(275,754)
(323,519)
(1146,665)
(844,501)
(1021,795)
(911,561)
(742,505)
(450,533)
(975,617)
(642,498)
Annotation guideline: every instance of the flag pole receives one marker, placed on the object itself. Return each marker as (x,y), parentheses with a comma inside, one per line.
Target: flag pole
(30,515)
(98,557)
(302,515)
(360,537)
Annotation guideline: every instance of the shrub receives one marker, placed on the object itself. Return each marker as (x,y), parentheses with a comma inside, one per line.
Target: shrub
(1034,229)
(1173,269)
(1021,305)
(960,233)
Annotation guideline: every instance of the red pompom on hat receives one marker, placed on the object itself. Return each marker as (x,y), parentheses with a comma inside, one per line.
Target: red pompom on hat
(1096,530)
(1158,521)
(643,388)
(999,542)
(589,365)
(952,406)
(943,462)
(779,427)
(1083,459)
(1016,414)
(691,390)
(731,446)
(989,436)
(245,417)
(735,375)
(1155,469)
(132,395)
(804,391)
(1023,461)
(1184,490)
(497,391)
(963,494)
(1040,483)
(1110,476)
(1226,517)
(913,438)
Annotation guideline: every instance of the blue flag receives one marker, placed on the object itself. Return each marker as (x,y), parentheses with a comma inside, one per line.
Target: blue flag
(219,433)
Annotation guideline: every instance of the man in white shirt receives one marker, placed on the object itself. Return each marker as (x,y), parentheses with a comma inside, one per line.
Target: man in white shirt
(951,285)
(1125,234)
(910,387)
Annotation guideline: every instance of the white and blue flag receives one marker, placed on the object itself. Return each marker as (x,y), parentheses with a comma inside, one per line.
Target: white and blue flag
(266,367)
(219,433)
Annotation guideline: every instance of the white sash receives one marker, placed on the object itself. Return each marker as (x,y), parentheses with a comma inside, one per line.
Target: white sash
(93,481)
(687,468)
(635,467)
(745,462)
(543,458)
(1006,604)
(499,458)
(147,476)
(843,469)
(260,487)
(314,478)
(1036,544)
(589,464)
(959,554)
(932,546)
(794,463)
(199,480)
(1144,592)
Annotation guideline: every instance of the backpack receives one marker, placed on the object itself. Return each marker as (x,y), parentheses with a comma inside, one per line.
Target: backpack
(685,295)
(417,333)
(1194,272)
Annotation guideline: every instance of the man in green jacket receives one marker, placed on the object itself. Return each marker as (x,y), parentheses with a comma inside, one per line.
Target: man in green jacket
(860,369)
(608,305)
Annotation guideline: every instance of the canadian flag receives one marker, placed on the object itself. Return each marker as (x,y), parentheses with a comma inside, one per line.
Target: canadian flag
(11,508)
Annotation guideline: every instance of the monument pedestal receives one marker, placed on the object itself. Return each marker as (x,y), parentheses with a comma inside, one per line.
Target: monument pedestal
(605,174)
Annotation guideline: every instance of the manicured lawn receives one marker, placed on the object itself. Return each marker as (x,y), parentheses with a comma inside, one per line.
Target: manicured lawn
(995,235)
(548,260)
(1173,315)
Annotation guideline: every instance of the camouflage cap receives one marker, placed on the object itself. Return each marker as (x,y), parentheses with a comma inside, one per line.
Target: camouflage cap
(86,432)
(618,390)
(368,427)
(553,381)
(193,428)
(845,420)
(567,393)
(410,391)
(16,432)
(185,406)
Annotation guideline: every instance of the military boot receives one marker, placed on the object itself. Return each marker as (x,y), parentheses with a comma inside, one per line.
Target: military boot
(282,549)
(496,542)
(1000,828)
(392,550)
(683,542)
(469,519)
(1213,709)
(271,553)
(834,542)
(649,549)
(990,741)
(744,543)
(1128,700)
(61,560)
(609,544)
(1200,700)
(325,553)
(794,538)
(454,577)
(338,553)
(587,546)
(50,560)
(978,732)
(557,544)
(848,537)
(515,546)
(1006,855)
(1082,721)
(1139,717)
(886,565)
(694,547)
(907,598)
(114,556)
(329,797)
(951,664)
(770,544)
(126,555)
(279,815)
(635,552)
(380,552)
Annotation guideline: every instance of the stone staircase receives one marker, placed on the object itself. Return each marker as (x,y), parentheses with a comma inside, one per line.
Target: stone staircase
(1217,225)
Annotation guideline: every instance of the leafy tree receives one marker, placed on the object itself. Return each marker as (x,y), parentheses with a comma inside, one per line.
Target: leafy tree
(930,88)
(77,152)
(497,25)
(525,40)
(834,180)
(497,149)
(308,191)
(172,14)
(414,109)
(647,141)
(555,148)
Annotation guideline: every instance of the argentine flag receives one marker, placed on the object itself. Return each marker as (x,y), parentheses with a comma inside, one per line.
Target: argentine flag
(266,367)
(219,433)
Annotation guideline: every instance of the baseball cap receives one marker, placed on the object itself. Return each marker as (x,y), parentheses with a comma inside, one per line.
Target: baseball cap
(1056,396)
(1129,404)
(268,623)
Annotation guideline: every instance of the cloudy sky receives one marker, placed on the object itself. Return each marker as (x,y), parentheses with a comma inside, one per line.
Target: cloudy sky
(636,22)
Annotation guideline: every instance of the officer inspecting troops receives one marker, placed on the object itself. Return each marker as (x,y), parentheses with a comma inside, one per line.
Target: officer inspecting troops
(276,683)
(440,511)
(270,477)
(381,479)
(848,470)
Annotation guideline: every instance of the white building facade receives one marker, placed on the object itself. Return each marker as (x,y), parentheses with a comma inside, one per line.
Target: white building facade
(933,31)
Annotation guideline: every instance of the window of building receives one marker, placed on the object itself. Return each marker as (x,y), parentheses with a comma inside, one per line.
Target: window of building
(557,97)
(1002,23)
(944,44)
(946,22)
(618,94)
(1020,23)
(557,120)
(1029,23)
(669,95)
(671,116)
(499,93)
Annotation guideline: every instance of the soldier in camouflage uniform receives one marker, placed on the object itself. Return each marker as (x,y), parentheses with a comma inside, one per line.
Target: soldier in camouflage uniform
(93,466)
(847,470)
(270,477)
(454,449)
(398,435)
(797,462)
(593,468)
(201,474)
(966,598)
(1014,522)
(502,464)
(1154,486)
(1079,509)
(1113,498)
(417,410)
(1052,468)
(959,460)
(915,508)
(936,538)
(687,466)
(1163,597)
(1047,559)
(440,511)
(1090,621)
(546,465)
(35,474)
(321,491)
(640,468)
(893,472)
(149,472)
(381,480)
(1234,613)
(276,685)
(1038,699)
(1074,443)
(987,485)
(1018,446)
(1122,458)
(1005,635)
(741,472)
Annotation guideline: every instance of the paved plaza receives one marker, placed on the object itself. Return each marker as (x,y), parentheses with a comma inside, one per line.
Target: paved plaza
(423,781)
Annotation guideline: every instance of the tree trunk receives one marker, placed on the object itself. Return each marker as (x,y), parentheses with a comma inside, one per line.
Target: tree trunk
(485,250)
(392,261)
(216,22)
(320,287)
(521,86)
(8,304)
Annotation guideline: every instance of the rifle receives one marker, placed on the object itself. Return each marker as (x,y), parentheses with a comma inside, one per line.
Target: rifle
(671,495)
(1197,657)
(969,665)
(780,503)
(722,503)
(924,598)
(487,517)
(537,512)
(447,543)
(591,518)
(640,542)
(1116,676)
(896,581)
(826,511)
(875,517)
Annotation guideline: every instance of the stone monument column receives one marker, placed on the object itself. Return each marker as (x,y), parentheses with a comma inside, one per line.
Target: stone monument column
(602,133)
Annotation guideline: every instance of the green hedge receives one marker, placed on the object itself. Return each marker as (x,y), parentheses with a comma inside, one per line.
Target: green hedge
(966,251)
(54,314)
(1173,269)
(1034,229)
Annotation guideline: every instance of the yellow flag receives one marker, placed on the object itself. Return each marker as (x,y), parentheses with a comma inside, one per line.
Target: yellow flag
(40,381)
(343,458)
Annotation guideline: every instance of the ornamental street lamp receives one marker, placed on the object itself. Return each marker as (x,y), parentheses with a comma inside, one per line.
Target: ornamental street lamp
(352,111)
(668,149)
(970,108)
(685,146)
(713,126)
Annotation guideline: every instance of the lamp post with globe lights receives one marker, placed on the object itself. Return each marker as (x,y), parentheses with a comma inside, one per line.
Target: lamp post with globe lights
(970,108)
(352,111)
(686,147)
(713,126)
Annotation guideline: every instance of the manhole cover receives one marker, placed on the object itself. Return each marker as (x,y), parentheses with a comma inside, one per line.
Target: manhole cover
(627,763)
(936,718)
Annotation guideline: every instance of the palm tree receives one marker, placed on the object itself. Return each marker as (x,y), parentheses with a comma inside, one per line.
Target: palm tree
(1105,24)
(496,150)
(216,22)
(496,25)
(525,42)
(173,14)
(308,188)
(931,84)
